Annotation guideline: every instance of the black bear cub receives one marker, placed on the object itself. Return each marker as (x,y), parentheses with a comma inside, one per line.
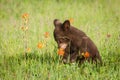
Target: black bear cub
(77,45)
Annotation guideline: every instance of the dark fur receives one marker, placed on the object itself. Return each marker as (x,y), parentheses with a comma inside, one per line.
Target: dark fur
(78,41)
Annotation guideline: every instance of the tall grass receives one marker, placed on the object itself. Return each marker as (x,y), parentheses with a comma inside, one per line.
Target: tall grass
(99,19)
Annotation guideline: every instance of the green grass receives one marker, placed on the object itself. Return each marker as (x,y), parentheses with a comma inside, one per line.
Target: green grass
(97,18)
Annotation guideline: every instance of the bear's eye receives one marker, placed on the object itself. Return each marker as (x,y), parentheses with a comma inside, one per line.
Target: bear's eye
(63,40)
(60,41)
(67,40)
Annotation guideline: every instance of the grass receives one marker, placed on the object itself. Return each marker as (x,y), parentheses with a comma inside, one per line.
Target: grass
(99,19)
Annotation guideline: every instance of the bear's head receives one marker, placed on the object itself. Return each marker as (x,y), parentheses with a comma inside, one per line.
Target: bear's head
(60,33)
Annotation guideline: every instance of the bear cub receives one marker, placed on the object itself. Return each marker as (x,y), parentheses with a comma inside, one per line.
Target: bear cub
(77,45)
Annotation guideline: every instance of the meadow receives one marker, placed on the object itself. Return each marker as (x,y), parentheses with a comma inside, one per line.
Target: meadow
(27,47)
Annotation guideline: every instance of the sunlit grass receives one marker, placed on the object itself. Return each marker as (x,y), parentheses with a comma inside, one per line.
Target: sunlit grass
(100,20)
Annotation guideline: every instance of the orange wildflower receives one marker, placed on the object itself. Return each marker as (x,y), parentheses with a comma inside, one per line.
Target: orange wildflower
(25,16)
(46,35)
(87,54)
(40,45)
(71,20)
(61,52)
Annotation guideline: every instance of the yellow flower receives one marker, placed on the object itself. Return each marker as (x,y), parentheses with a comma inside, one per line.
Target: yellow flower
(40,45)
(82,54)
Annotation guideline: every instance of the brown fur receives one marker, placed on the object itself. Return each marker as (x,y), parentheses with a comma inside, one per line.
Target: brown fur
(78,42)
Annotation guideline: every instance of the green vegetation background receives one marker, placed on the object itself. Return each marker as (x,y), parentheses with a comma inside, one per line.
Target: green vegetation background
(99,19)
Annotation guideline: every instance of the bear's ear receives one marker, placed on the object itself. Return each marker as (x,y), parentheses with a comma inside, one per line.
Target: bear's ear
(66,24)
(56,22)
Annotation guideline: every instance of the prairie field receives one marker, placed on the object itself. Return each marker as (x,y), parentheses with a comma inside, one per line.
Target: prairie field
(28,50)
